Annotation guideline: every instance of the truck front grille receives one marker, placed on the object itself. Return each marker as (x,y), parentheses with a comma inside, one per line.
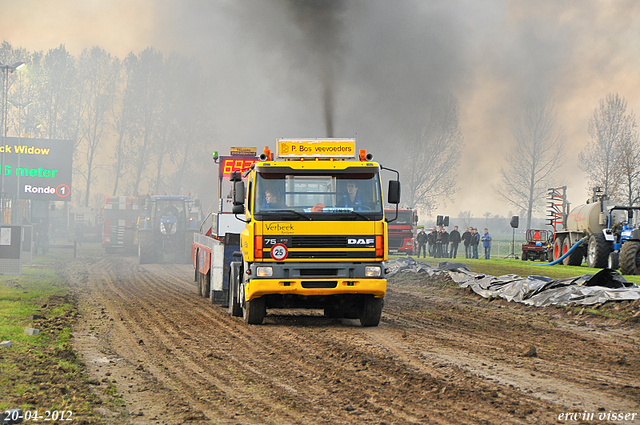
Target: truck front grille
(319,284)
(322,247)
(396,242)
(318,242)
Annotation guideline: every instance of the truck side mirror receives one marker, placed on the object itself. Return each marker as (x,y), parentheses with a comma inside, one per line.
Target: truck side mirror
(238,194)
(393,194)
(238,209)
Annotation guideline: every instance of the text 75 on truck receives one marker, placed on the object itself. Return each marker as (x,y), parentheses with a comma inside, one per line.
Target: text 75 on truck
(305,230)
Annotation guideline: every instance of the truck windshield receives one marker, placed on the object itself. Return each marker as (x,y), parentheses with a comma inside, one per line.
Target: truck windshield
(404,218)
(170,208)
(319,196)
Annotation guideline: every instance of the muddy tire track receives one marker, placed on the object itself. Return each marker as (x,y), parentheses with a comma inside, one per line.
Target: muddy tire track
(435,358)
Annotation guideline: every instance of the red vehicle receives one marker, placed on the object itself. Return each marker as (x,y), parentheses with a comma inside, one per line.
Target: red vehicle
(538,245)
(403,231)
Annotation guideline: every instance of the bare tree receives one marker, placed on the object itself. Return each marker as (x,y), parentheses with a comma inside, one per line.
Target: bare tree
(432,156)
(194,104)
(123,118)
(98,72)
(465,216)
(629,163)
(610,128)
(146,103)
(533,160)
(487,216)
(56,102)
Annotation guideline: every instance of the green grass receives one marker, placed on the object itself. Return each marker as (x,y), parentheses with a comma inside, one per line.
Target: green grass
(41,371)
(23,295)
(503,266)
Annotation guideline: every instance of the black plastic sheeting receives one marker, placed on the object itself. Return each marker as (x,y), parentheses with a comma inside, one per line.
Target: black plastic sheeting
(540,291)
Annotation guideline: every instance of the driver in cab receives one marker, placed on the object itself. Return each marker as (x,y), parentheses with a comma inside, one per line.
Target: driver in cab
(273,199)
(351,199)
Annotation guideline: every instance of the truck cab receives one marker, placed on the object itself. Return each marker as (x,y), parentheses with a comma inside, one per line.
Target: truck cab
(403,231)
(315,233)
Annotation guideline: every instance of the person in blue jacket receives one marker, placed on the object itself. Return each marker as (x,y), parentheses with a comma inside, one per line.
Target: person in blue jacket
(486,243)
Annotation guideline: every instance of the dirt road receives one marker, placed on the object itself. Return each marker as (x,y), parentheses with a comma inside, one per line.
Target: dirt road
(440,355)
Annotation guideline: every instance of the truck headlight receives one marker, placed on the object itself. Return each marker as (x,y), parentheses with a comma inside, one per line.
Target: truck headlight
(372,271)
(264,271)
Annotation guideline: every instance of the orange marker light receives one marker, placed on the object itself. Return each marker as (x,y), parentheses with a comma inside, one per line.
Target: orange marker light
(362,154)
(257,247)
(379,246)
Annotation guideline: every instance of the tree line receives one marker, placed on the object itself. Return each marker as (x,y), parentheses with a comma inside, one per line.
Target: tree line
(137,123)
(610,160)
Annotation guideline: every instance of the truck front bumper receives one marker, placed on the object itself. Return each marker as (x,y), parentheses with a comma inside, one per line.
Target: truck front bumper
(309,287)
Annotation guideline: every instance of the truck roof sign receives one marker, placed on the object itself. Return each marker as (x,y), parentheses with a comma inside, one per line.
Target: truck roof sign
(243,151)
(317,148)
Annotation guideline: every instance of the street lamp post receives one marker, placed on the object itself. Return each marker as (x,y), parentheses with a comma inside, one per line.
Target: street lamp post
(6,69)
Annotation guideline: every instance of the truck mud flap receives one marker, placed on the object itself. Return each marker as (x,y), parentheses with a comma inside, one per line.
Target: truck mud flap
(221,258)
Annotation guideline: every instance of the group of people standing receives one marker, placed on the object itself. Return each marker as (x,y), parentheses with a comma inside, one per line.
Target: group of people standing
(441,244)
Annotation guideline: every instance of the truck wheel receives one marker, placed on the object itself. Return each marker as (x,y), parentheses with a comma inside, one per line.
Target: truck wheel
(371,311)
(557,247)
(598,251)
(630,258)
(573,259)
(613,262)
(524,255)
(254,311)
(235,309)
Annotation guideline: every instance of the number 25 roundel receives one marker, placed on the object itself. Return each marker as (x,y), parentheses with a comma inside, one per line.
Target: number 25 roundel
(279,252)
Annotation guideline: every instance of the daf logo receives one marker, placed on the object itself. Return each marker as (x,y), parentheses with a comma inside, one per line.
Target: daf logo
(359,241)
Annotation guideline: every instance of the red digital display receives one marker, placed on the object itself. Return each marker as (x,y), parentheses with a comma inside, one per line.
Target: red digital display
(229,164)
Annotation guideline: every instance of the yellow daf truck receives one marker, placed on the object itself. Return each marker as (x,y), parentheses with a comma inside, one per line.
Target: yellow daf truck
(315,233)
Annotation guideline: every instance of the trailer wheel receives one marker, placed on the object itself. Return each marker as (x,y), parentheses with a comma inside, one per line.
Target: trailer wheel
(543,256)
(197,272)
(573,259)
(205,284)
(557,247)
(630,258)
(524,255)
(371,311)
(598,251)
(614,260)
(235,309)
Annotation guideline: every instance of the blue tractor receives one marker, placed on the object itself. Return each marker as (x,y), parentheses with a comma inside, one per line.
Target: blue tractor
(165,229)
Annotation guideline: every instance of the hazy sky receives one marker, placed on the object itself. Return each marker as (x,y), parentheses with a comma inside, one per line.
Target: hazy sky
(386,60)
